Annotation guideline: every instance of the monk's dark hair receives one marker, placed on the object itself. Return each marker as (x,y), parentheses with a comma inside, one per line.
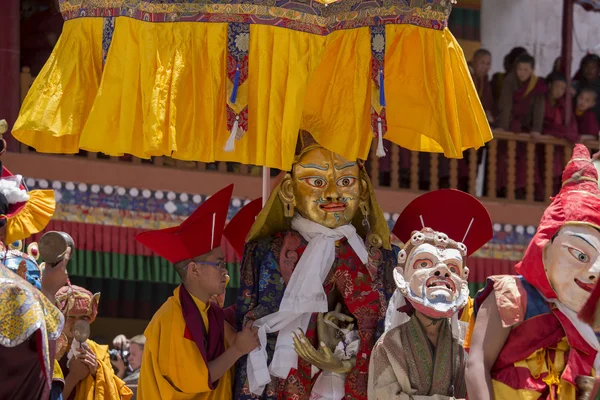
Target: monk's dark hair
(588,89)
(481,53)
(525,59)
(589,58)
(509,59)
(556,77)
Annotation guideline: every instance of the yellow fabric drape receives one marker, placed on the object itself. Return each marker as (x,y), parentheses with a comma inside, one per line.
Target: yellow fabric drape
(33,217)
(106,385)
(172,366)
(57,106)
(164,90)
(432,103)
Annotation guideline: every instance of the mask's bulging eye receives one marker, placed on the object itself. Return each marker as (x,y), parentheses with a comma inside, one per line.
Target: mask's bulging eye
(423,263)
(579,255)
(315,182)
(346,181)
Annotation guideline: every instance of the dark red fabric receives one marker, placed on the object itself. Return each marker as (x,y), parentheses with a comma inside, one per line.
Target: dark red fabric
(468,217)
(200,233)
(587,123)
(212,344)
(484,90)
(238,228)
(523,103)
(21,373)
(554,122)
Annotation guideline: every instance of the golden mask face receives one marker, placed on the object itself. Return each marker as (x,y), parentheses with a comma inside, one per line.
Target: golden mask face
(326,188)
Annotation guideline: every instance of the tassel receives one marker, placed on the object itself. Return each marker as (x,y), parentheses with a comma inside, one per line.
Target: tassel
(230,145)
(380,150)
(381,89)
(236,83)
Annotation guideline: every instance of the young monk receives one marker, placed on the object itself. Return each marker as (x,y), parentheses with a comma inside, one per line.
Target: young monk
(87,369)
(521,110)
(584,112)
(554,125)
(482,62)
(189,348)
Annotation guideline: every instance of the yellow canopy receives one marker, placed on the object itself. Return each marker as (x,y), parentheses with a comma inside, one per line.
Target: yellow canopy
(182,78)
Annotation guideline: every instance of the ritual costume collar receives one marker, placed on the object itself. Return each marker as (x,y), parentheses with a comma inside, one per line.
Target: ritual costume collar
(272,220)
(210,342)
(24,213)
(199,234)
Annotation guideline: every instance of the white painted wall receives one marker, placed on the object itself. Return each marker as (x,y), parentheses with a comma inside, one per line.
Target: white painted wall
(535,25)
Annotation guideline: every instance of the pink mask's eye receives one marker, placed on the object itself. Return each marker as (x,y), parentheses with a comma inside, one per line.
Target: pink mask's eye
(423,263)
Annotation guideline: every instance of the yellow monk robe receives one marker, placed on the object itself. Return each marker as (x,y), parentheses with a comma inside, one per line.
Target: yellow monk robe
(172,366)
(106,385)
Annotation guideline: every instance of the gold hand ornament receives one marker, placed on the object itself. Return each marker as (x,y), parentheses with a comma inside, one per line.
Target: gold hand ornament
(328,326)
(323,358)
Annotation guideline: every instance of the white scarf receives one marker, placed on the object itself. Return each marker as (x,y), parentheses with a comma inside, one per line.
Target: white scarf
(302,297)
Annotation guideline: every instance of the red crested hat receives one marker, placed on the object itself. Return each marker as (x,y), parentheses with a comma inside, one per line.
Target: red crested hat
(238,228)
(457,214)
(578,202)
(199,234)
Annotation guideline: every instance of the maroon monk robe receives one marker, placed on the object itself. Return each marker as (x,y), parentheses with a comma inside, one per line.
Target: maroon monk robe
(554,125)
(587,123)
(22,371)
(212,344)
(522,111)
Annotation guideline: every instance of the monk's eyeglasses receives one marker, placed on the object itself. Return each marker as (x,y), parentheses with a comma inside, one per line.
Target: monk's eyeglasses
(217,265)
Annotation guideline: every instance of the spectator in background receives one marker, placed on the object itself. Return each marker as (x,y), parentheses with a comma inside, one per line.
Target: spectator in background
(498,78)
(554,125)
(521,110)
(584,112)
(588,76)
(481,64)
(136,349)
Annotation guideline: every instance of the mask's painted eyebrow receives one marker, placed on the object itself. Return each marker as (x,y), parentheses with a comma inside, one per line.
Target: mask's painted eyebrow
(584,239)
(350,164)
(315,166)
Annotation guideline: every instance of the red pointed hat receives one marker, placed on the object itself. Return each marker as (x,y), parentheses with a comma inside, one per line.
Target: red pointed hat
(200,233)
(238,228)
(577,203)
(457,214)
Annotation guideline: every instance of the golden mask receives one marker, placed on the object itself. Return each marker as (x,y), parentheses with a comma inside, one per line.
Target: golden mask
(324,188)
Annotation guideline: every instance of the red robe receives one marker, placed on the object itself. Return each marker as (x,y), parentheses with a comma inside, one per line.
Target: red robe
(587,123)
(554,125)
(525,113)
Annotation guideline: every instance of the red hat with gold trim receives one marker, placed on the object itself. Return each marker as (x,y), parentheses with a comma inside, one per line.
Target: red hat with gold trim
(457,214)
(238,228)
(199,234)
(578,202)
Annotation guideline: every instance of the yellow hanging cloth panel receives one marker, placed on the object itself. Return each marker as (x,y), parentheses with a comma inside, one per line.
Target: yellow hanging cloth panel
(190,80)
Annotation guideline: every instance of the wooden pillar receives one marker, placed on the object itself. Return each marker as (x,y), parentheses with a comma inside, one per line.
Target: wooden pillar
(567,54)
(10,54)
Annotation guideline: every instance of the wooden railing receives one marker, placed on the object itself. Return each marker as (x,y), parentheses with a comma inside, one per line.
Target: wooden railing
(410,175)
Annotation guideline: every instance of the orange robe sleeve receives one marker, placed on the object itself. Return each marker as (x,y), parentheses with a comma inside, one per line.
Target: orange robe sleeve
(106,385)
